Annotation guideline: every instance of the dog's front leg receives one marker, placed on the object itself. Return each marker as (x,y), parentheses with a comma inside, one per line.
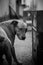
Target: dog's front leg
(8,54)
(14,56)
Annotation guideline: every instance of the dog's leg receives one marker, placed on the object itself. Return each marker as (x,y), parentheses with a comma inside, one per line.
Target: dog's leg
(8,53)
(1,52)
(1,60)
(8,56)
(14,56)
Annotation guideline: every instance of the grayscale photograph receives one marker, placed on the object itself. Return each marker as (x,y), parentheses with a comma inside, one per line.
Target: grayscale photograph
(21,32)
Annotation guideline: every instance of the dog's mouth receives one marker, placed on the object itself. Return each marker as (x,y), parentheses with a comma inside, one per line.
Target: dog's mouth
(21,38)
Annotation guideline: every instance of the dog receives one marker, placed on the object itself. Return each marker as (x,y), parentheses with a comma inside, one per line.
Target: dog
(8,30)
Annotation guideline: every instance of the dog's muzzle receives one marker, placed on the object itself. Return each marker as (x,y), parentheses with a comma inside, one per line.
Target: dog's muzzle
(23,38)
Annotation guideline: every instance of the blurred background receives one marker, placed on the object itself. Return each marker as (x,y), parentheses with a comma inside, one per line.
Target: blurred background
(26,51)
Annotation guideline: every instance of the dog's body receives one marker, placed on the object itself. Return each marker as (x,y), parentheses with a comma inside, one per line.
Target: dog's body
(8,30)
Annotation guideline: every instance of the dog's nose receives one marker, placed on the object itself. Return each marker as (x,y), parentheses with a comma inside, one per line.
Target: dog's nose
(23,38)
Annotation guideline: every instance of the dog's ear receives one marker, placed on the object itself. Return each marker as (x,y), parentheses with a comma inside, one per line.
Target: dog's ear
(14,23)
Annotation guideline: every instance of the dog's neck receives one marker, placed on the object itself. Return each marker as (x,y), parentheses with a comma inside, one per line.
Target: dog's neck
(10,31)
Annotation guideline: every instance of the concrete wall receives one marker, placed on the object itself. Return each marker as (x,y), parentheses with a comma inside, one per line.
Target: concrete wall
(28,2)
(39,4)
(4,9)
(21,10)
(13,4)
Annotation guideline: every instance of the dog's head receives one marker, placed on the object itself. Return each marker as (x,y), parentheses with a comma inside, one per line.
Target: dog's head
(21,29)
